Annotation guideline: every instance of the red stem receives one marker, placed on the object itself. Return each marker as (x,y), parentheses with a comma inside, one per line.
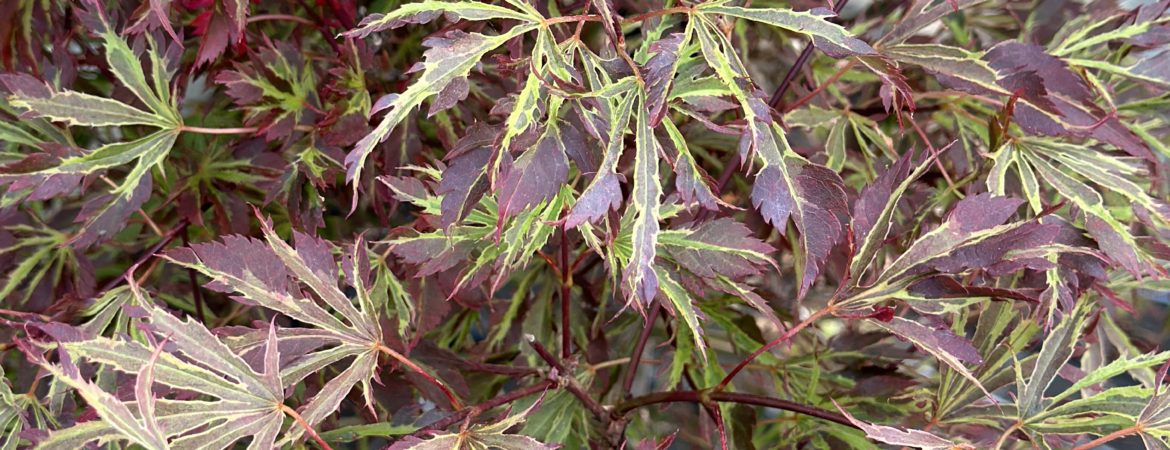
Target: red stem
(728,397)
(787,335)
(166,239)
(455,403)
(636,356)
(460,415)
(308,429)
(1095,443)
(195,291)
(569,383)
(821,87)
(566,285)
(661,12)
(204,130)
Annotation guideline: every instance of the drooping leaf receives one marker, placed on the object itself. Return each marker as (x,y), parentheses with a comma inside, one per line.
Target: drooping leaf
(786,185)
(690,181)
(895,436)
(603,194)
(106,216)
(248,403)
(829,37)
(536,176)
(950,349)
(265,277)
(660,71)
(447,59)
(875,209)
(680,306)
(1056,350)
(465,181)
(640,278)
(425,11)
(722,247)
(971,237)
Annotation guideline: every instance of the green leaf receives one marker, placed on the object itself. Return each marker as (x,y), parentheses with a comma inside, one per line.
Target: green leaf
(355,432)
(1113,237)
(263,277)
(248,403)
(128,69)
(1117,367)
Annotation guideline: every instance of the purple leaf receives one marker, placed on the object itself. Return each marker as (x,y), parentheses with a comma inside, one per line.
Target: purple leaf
(659,74)
(897,436)
(536,176)
(465,181)
(814,198)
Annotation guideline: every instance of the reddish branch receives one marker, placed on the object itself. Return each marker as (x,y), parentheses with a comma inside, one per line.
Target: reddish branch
(451,397)
(786,336)
(566,285)
(728,397)
(639,348)
(462,414)
(166,239)
(796,66)
(567,381)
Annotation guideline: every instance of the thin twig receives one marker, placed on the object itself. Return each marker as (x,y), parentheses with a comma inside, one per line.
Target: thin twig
(195,291)
(204,130)
(166,239)
(934,154)
(796,66)
(567,380)
(661,12)
(566,286)
(639,348)
(308,429)
(728,397)
(455,403)
(786,336)
(462,414)
(1110,437)
(821,87)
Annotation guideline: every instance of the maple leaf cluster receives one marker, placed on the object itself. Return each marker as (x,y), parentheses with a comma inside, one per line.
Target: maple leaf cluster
(474,224)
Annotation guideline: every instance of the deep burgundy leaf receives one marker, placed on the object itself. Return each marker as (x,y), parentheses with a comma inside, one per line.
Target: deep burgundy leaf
(659,73)
(535,176)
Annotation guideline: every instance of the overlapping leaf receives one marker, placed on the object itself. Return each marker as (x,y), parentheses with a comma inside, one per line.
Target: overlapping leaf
(247,402)
(786,186)
(447,61)
(1052,99)
(103,216)
(1062,168)
(640,277)
(268,274)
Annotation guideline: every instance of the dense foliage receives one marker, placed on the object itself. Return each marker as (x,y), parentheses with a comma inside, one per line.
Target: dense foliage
(588,223)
